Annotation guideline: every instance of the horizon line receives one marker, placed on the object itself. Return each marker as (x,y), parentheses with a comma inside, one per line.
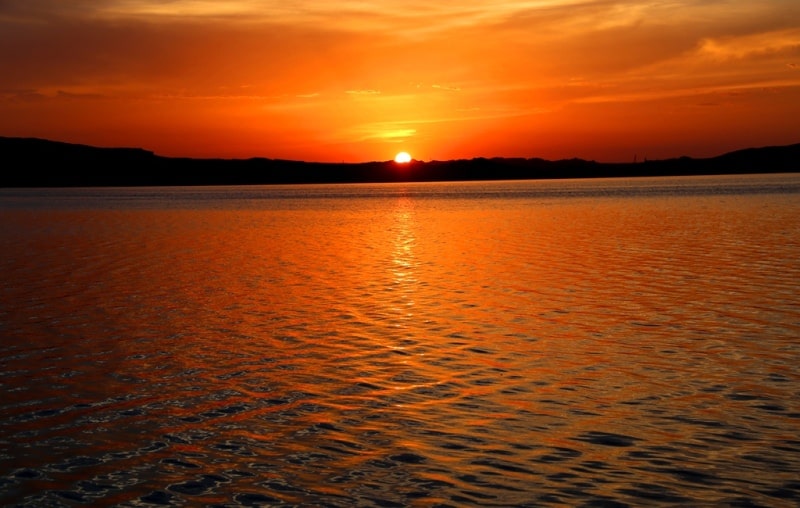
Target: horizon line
(635,159)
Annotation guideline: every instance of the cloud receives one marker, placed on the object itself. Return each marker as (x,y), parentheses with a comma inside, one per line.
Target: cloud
(369,132)
(447,88)
(27,95)
(622,96)
(362,92)
(739,47)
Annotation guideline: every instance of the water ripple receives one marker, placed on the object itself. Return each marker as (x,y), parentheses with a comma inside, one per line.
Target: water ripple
(548,349)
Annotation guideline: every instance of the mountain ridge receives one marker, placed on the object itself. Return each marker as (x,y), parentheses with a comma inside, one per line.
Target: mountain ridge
(36,162)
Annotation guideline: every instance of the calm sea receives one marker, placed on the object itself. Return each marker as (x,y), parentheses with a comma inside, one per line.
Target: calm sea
(598,343)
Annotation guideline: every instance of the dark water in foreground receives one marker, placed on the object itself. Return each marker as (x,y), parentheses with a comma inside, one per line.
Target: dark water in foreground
(566,343)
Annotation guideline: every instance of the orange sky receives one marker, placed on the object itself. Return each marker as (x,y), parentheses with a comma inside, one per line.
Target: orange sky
(357,80)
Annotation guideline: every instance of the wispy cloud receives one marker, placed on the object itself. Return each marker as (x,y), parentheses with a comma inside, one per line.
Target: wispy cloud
(694,91)
(388,132)
(764,43)
(362,92)
(447,88)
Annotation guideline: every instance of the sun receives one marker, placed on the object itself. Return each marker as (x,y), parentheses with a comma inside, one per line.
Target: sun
(402,158)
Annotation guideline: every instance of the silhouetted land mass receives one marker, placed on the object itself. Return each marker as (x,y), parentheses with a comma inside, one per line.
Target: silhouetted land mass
(31,162)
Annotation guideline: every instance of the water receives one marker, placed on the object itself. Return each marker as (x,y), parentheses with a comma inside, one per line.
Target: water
(558,343)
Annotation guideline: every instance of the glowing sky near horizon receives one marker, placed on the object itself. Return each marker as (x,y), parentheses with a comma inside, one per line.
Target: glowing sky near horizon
(360,80)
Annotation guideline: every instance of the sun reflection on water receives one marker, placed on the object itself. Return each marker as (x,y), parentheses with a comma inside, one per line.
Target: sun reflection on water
(403,277)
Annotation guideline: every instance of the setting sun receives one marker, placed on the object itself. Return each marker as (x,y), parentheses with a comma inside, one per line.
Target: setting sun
(402,158)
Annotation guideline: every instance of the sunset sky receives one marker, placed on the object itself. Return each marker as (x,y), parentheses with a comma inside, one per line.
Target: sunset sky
(356,81)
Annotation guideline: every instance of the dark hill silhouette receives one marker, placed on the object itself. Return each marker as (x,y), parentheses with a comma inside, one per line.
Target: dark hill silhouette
(32,162)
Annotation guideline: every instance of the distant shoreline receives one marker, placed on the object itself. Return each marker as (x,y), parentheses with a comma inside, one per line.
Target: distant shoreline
(34,162)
